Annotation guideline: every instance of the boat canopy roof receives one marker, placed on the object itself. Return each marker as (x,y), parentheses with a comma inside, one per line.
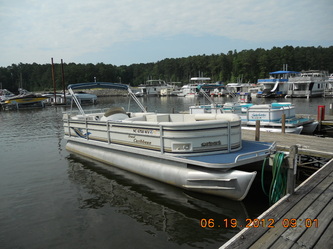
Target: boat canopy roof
(92,85)
(283,72)
(200,78)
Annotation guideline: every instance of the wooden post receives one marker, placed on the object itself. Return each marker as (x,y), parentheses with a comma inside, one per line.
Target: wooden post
(292,169)
(331,109)
(257,135)
(283,121)
(319,117)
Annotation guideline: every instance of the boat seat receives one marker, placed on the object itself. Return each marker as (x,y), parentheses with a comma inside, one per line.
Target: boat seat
(114,110)
(114,114)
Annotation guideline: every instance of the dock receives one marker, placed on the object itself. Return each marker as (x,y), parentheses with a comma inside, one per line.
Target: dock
(310,145)
(302,219)
(299,220)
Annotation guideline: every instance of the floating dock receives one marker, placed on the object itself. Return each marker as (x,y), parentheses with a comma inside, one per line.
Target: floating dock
(303,219)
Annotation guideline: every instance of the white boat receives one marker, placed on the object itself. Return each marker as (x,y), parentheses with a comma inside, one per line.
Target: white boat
(270,116)
(329,86)
(153,88)
(23,100)
(59,98)
(192,89)
(232,89)
(196,152)
(189,90)
(276,85)
(171,89)
(5,94)
(308,84)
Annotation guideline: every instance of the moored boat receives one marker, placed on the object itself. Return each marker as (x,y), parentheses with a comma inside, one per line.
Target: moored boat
(5,94)
(24,99)
(307,84)
(270,116)
(276,85)
(60,98)
(197,152)
(153,88)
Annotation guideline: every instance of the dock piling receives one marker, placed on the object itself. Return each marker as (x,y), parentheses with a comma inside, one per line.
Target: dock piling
(320,115)
(292,169)
(257,134)
(283,122)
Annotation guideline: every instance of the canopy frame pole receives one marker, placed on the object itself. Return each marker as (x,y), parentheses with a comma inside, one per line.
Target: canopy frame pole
(207,97)
(77,102)
(136,100)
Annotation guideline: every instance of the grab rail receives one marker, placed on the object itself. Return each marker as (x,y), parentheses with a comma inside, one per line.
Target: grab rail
(256,153)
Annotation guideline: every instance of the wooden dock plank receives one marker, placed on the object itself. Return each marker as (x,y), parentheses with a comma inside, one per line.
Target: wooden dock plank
(302,210)
(317,187)
(314,211)
(312,235)
(325,241)
(315,146)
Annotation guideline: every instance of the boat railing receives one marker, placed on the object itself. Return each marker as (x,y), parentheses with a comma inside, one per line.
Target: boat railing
(301,79)
(207,97)
(89,125)
(257,153)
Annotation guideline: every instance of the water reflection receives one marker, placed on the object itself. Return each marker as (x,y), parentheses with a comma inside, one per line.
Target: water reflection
(148,202)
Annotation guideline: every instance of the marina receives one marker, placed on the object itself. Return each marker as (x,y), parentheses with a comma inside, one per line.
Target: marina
(87,204)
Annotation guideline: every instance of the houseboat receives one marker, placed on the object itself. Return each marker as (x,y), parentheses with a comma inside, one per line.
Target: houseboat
(276,85)
(307,84)
(153,88)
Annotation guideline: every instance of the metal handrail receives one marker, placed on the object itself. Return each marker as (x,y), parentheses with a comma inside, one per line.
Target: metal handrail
(256,153)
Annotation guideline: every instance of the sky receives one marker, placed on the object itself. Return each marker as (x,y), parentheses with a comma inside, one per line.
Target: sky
(125,32)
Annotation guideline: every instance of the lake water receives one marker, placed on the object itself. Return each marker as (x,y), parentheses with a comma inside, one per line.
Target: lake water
(51,198)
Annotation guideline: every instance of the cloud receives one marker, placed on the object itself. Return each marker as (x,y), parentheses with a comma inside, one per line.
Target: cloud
(38,29)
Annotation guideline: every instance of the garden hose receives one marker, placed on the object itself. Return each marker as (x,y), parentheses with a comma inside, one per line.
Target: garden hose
(279,179)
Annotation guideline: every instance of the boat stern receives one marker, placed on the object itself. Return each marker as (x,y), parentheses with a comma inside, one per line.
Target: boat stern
(231,184)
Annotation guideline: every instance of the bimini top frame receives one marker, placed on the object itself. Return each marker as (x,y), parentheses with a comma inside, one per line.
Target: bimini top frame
(94,85)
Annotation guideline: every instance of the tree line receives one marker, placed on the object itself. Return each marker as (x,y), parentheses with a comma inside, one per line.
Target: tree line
(245,66)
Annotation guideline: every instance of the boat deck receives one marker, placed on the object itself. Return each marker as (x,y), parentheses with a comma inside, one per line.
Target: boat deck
(301,220)
(249,149)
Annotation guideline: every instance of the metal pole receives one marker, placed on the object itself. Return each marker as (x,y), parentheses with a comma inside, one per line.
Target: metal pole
(63,81)
(54,83)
